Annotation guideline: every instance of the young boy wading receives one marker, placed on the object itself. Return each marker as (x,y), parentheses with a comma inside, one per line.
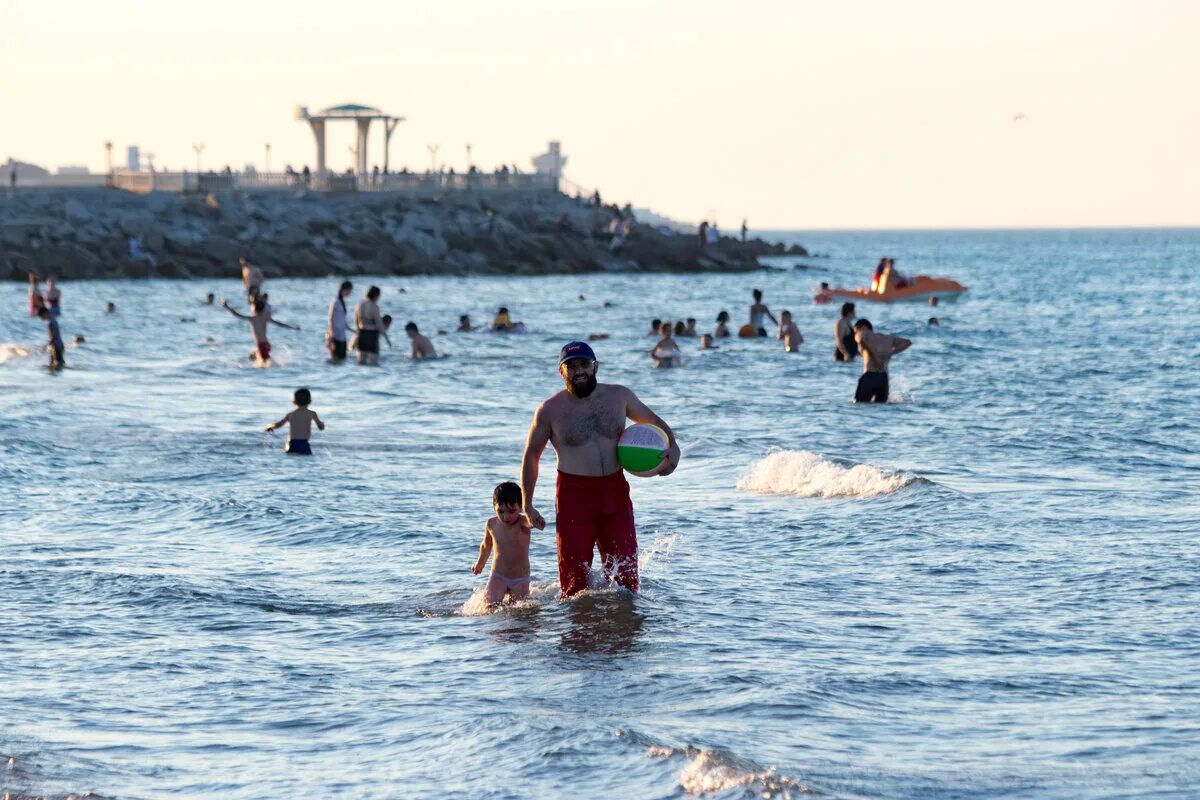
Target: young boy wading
(583,423)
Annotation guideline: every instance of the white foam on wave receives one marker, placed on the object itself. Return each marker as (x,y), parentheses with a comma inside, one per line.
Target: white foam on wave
(476,607)
(714,772)
(805,474)
(9,351)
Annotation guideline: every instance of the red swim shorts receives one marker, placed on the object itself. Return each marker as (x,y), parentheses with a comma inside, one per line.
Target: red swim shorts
(264,351)
(595,512)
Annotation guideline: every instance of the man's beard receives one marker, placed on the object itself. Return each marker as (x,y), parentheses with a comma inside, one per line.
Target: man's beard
(582,390)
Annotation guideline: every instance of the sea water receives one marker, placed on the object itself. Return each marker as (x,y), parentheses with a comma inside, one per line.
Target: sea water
(987,587)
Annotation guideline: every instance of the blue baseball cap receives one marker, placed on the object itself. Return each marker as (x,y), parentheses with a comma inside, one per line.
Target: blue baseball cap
(576,350)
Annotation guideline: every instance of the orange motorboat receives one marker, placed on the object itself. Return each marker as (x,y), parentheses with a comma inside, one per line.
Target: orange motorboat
(918,289)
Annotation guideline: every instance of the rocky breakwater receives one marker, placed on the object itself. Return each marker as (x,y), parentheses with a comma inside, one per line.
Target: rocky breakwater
(102,233)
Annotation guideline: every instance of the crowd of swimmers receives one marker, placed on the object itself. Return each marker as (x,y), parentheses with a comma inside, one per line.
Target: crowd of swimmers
(362,331)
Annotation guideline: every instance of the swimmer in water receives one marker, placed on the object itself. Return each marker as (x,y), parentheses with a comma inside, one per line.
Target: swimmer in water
(258,329)
(690,330)
(464,324)
(933,322)
(844,348)
(299,424)
(665,352)
(706,342)
(421,346)
(54,338)
(758,310)
(209,299)
(722,331)
(789,333)
(655,326)
(877,350)
(111,308)
(823,296)
(507,534)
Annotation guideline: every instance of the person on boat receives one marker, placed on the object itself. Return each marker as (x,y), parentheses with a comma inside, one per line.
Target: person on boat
(501,323)
(892,278)
(876,279)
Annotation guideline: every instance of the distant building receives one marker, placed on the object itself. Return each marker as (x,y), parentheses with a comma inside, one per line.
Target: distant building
(133,158)
(69,169)
(551,162)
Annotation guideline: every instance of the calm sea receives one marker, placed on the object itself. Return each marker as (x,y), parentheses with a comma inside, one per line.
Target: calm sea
(987,588)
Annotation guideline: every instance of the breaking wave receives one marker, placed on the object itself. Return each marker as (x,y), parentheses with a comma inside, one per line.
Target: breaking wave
(806,474)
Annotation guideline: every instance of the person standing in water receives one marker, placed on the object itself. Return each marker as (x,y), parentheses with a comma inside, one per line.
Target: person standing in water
(335,333)
(789,333)
(368,323)
(54,338)
(583,423)
(877,349)
(252,278)
(258,329)
(844,347)
(759,310)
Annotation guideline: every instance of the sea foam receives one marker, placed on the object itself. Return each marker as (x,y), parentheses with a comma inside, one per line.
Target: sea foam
(716,772)
(806,474)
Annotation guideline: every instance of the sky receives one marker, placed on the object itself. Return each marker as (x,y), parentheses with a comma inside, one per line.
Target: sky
(801,114)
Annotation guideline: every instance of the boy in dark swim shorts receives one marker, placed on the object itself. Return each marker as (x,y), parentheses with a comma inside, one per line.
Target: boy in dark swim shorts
(300,424)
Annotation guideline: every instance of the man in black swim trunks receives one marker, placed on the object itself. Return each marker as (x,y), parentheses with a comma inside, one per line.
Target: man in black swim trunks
(877,349)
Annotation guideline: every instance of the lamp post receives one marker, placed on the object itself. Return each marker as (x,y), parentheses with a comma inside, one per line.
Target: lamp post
(268,158)
(432,148)
(468,157)
(199,148)
(108,157)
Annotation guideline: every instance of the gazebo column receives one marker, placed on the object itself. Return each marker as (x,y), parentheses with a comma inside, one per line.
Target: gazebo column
(363,126)
(389,125)
(318,129)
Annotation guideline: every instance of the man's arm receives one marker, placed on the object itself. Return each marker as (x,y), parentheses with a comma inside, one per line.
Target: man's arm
(638,411)
(283,324)
(280,424)
(900,344)
(535,444)
(770,316)
(316,419)
(225,305)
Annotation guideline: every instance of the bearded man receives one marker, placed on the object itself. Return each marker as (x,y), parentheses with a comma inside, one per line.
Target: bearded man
(584,423)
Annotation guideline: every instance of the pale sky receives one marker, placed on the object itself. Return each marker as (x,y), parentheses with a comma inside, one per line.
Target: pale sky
(800,114)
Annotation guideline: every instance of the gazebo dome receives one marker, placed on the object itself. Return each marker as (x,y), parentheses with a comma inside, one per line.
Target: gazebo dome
(351,108)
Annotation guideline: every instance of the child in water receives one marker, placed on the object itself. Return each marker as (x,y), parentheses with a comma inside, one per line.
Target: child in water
(507,532)
(299,424)
(666,350)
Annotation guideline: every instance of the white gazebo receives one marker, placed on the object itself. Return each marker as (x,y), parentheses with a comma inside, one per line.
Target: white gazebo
(362,116)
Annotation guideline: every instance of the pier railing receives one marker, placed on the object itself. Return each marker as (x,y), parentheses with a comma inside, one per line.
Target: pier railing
(412,183)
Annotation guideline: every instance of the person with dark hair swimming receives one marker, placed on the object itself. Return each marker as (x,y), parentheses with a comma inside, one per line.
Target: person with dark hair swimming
(722,330)
(877,350)
(421,346)
(584,423)
(299,424)
(844,347)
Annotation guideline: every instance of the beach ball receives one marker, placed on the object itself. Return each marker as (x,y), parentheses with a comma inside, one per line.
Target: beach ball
(642,450)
